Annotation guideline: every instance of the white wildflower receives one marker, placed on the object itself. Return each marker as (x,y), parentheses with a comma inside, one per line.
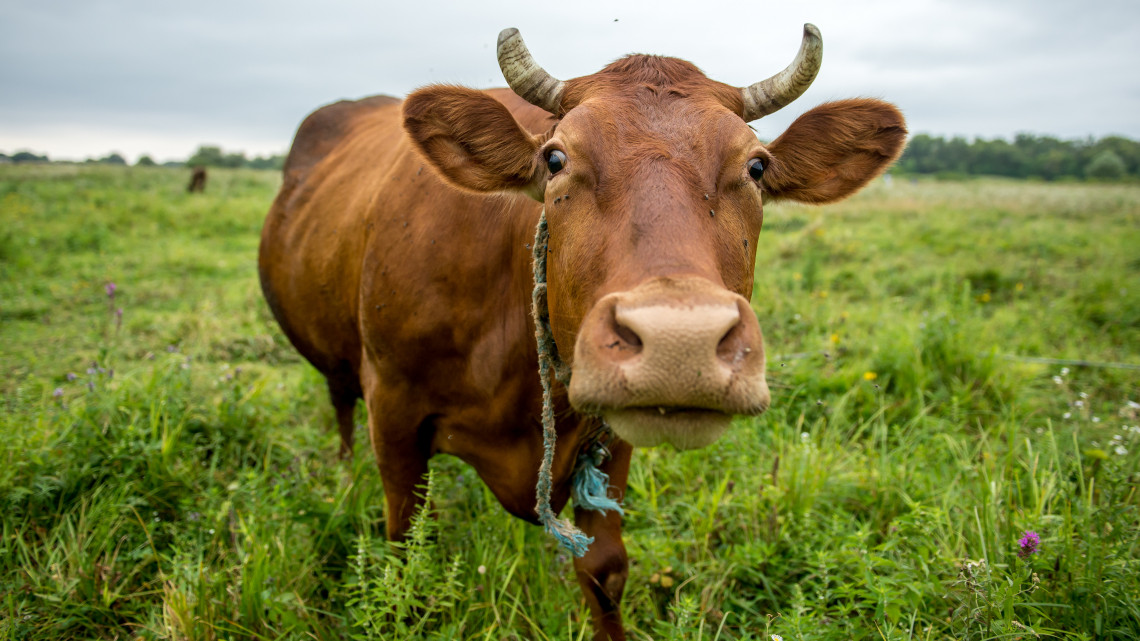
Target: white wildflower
(1084,394)
(1121,450)
(1067,415)
(1064,371)
(1078,403)
(1058,380)
(1096,419)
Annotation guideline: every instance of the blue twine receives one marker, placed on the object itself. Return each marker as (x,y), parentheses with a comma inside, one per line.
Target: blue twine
(588,485)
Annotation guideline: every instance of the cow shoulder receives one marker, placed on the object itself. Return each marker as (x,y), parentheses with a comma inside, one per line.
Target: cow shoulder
(323,129)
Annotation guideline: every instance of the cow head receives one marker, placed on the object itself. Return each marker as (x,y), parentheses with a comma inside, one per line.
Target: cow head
(653,186)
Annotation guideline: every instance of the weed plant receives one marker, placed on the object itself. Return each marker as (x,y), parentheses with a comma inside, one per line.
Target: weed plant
(167,470)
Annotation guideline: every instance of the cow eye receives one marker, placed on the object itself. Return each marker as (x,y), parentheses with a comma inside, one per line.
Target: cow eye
(756,169)
(555,161)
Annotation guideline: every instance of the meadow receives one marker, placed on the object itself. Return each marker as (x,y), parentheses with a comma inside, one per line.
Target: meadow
(953,365)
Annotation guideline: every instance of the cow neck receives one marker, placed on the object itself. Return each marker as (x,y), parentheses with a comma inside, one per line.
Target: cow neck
(588,483)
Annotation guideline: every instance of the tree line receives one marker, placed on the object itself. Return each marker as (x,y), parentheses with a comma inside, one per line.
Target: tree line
(204,156)
(1027,156)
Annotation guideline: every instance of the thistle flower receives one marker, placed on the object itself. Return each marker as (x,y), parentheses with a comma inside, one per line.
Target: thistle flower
(110,289)
(1030,543)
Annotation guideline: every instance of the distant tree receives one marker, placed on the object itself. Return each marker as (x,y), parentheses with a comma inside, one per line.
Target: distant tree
(233,160)
(112,159)
(276,161)
(1127,150)
(1028,155)
(27,156)
(207,156)
(1106,165)
(145,161)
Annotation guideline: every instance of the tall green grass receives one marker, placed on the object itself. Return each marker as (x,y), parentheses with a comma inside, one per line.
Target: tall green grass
(169,473)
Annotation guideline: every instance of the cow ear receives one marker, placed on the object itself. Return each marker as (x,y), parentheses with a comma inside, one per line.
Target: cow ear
(473,140)
(833,150)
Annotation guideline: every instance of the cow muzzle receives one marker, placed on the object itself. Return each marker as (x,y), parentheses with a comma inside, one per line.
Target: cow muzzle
(670,361)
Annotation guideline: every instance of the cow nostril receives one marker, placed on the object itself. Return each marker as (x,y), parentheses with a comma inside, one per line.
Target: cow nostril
(627,335)
(620,340)
(733,346)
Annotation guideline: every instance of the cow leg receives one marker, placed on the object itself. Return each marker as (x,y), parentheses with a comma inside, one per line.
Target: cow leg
(401,440)
(344,391)
(603,570)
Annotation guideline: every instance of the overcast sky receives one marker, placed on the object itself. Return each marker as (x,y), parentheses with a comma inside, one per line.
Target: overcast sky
(81,78)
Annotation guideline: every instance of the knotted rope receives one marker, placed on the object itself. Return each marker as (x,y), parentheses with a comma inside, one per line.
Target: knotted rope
(588,484)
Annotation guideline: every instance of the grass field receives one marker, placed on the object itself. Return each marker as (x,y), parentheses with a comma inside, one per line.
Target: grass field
(167,471)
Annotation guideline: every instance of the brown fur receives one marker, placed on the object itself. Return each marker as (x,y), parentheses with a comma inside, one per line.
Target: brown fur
(415,296)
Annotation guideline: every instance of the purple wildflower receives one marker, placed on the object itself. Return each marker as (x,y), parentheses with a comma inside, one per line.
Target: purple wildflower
(1030,543)
(71,376)
(110,289)
(58,392)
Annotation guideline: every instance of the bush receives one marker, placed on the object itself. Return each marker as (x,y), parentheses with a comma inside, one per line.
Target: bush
(1106,166)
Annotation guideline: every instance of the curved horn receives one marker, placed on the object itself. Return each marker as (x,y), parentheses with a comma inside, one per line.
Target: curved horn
(523,74)
(771,95)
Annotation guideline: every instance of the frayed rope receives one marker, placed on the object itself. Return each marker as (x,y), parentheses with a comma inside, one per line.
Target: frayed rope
(589,484)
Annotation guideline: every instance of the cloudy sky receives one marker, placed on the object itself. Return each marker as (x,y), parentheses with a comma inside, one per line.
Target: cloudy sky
(81,78)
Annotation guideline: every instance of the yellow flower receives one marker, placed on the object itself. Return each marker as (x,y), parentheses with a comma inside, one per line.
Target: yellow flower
(984,298)
(870,376)
(823,294)
(1019,286)
(797,276)
(835,339)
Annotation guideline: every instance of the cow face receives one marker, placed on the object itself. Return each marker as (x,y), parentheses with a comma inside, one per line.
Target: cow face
(653,186)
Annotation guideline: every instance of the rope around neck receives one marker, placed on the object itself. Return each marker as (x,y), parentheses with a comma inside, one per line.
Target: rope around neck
(588,484)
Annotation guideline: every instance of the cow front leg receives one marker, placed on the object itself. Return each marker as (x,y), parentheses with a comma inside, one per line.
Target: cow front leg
(401,442)
(603,570)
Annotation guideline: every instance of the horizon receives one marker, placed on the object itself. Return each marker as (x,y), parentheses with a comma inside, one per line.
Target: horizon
(131,160)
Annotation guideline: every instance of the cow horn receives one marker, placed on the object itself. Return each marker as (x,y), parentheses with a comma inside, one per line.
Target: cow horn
(767,96)
(525,76)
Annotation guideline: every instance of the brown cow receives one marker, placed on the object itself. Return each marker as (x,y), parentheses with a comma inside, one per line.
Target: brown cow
(197,181)
(397,258)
